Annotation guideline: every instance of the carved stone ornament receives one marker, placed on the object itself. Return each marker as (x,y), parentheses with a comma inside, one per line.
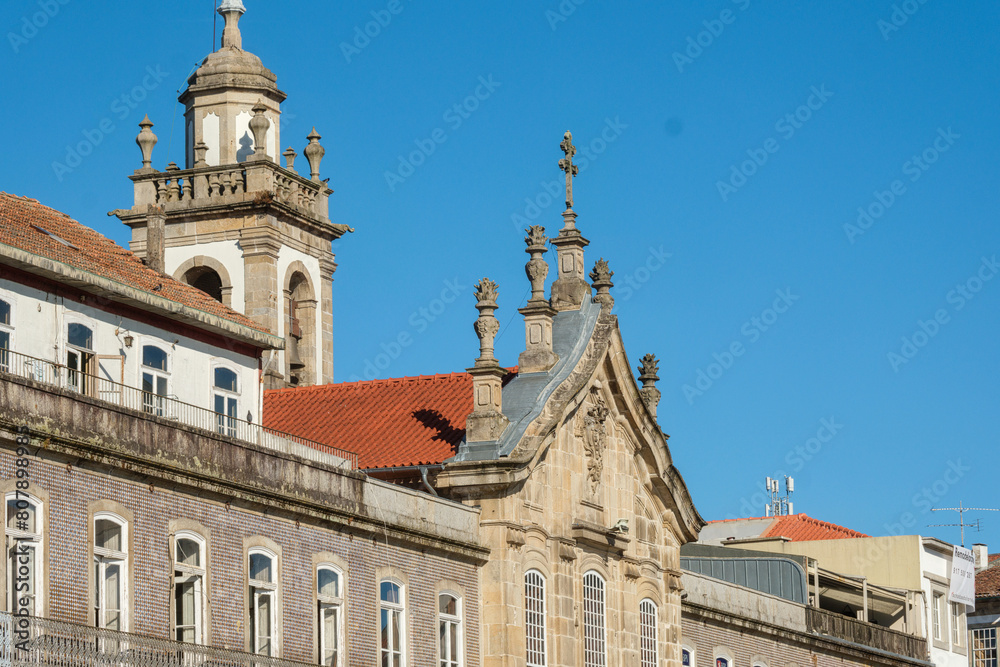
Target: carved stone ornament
(595,440)
(314,153)
(600,276)
(487,325)
(146,140)
(536,268)
(259,125)
(648,368)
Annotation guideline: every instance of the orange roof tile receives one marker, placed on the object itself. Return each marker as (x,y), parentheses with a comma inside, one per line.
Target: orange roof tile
(389,423)
(800,528)
(988,580)
(27,225)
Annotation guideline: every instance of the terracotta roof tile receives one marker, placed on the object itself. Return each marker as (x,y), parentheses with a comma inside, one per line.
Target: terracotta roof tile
(27,225)
(988,580)
(390,423)
(801,528)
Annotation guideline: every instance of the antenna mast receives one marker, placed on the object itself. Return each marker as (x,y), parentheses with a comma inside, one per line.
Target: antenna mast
(961,514)
(779,506)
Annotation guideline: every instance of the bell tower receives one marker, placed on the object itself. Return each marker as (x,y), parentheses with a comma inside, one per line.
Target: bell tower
(235,223)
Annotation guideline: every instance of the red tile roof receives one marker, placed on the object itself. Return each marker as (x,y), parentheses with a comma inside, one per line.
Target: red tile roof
(27,225)
(389,423)
(801,528)
(988,580)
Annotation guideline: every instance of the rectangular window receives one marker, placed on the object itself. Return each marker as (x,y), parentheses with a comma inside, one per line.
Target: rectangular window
(330,603)
(110,572)
(24,549)
(957,631)
(391,624)
(534,619)
(263,589)
(984,647)
(189,588)
(936,614)
(449,630)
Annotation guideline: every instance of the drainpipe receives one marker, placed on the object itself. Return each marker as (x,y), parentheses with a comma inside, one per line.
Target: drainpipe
(427,484)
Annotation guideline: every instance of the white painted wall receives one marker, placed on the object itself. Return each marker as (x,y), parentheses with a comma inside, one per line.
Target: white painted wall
(227,253)
(938,564)
(210,134)
(40,322)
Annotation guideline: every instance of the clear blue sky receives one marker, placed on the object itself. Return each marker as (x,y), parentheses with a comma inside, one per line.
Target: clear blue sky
(682,116)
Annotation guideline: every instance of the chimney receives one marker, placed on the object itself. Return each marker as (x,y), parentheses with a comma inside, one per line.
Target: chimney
(156,224)
(487,420)
(538,355)
(982,556)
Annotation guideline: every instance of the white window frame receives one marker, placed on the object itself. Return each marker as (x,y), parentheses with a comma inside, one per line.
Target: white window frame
(154,402)
(691,657)
(17,542)
(330,605)
(90,369)
(397,609)
(937,599)
(225,422)
(956,624)
(446,624)
(984,647)
(535,619)
(595,620)
(259,589)
(649,633)
(8,329)
(103,558)
(196,575)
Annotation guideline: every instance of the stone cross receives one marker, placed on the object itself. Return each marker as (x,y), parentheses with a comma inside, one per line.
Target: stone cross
(566,164)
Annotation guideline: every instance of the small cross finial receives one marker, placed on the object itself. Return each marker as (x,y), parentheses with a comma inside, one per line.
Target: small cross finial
(566,164)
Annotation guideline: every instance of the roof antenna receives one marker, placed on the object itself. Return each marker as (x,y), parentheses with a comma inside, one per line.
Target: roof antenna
(779,506)
(961,512)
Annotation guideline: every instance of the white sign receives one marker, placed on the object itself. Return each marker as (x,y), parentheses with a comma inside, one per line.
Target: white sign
(963,577)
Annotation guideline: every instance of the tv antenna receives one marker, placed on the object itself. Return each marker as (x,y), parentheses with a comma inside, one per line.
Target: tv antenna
(961,514)
(779,506)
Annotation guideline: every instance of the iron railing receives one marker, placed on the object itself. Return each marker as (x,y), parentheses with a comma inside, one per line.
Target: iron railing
(168,407)
(42,641)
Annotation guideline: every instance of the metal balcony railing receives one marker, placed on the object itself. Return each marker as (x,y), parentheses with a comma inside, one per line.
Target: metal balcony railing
(41,641)
(168,407)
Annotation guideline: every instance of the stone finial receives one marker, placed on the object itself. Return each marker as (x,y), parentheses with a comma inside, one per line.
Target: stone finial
(566,164)
(486,325)
(570,288)
(231,11)
(648,368)
(290,156)
(200,153)
(259,125)
(314,153)
(146,140)
(600,276)
(536,268)
(487,421)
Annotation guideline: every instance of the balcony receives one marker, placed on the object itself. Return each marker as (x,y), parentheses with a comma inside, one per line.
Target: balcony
(155,406)
(41,641)
(822,622)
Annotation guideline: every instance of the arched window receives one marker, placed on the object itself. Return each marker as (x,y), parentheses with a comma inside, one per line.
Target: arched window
(189,587)
(534,618)
(722,662)
(686,657)
(154,380)
(226,395)
(80,358)
(207,280)
(450,630)
(392,623)
(6,335)
(329,618)
(594,636)
(110,571)
(25,563)
(263,589)
(648,634)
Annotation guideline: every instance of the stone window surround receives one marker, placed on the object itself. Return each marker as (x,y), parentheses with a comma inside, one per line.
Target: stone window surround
(41,498)
(338,564)
(656,629)
(541,573)
(691,652)
(724,653)
(601,660)
(109,509)
(187,528)
(939,586)
(261,544)
(204,261)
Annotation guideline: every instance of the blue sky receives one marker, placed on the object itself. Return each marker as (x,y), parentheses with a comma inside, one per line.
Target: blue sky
(731,145)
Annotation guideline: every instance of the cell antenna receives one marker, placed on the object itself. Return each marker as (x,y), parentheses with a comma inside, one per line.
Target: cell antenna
(779,505)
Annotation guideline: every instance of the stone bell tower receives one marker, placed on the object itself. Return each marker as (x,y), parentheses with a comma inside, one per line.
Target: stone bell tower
(235,223)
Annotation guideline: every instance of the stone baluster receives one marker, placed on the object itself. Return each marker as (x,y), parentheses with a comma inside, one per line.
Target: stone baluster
(314,152)
(290,156)
(146,140)
(258,126)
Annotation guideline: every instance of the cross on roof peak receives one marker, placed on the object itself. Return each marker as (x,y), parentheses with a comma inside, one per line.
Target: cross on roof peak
(566,164)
